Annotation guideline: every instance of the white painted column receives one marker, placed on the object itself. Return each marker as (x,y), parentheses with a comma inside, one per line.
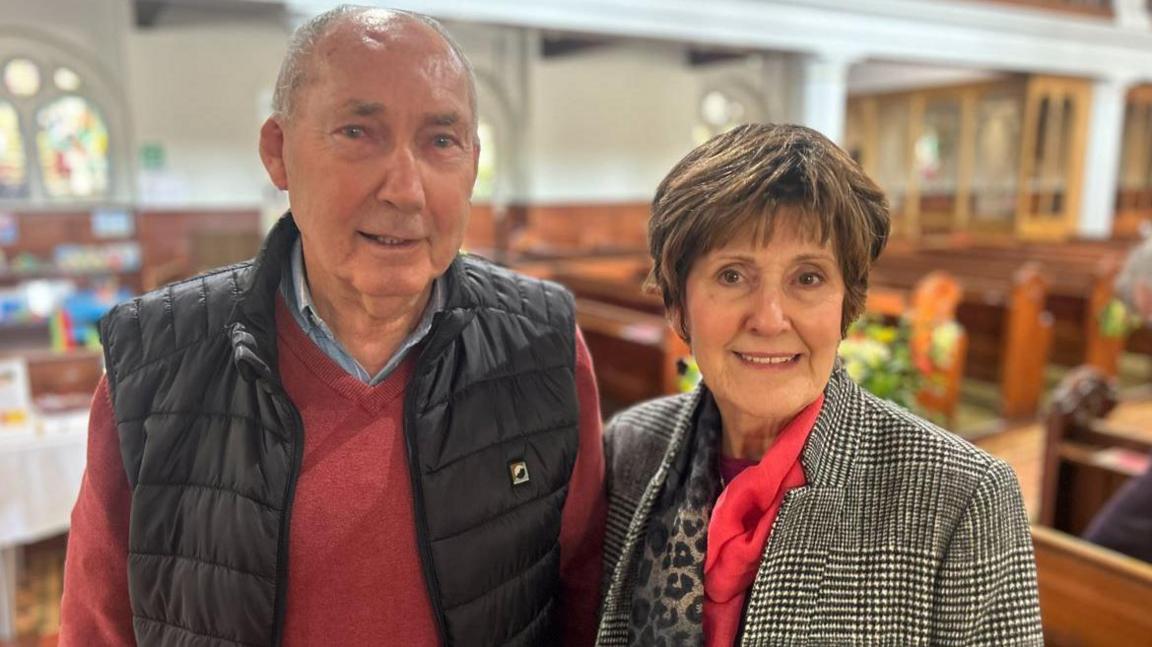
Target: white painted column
(824,93)
(1133,14)
(1102,158)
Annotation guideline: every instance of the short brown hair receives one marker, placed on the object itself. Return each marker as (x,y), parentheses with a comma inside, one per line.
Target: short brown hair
(737,182)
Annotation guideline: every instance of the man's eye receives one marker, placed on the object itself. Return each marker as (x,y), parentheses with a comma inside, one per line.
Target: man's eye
(353,132)
(443,141)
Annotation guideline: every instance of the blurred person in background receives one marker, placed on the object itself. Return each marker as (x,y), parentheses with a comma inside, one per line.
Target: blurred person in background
(779,503)
(360,437)
(1124,524)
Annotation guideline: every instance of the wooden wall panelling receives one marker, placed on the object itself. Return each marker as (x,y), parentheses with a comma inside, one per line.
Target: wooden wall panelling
(176,244)
(573,229)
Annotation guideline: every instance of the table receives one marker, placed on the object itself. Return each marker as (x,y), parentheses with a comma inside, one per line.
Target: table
(40,472)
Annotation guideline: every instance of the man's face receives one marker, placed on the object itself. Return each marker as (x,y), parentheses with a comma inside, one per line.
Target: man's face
(378,158)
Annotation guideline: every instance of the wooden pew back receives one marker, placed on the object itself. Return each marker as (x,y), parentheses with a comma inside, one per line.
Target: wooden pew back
(1086,460)
(1089,595)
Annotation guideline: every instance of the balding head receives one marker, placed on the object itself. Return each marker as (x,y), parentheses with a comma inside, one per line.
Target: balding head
(298,68)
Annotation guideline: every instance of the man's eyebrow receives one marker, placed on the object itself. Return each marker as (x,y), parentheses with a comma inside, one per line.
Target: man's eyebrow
(363,108)
(443,119)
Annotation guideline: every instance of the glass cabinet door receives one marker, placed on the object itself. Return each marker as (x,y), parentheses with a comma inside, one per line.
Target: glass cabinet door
(937,164)
(996,160)
(1134,190)
(1055,126)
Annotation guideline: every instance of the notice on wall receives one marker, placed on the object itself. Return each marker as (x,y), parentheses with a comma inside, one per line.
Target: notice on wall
(15,396)
(9,229)
(113,223)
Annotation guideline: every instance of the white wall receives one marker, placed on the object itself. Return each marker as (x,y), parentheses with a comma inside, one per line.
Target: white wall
(92,28)
(201,92)
(608,124)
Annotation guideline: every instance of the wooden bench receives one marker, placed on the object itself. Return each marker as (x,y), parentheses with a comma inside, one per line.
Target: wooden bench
(1091,595)
(635,354)
(1002,311)
(1080,280)
(1088,457)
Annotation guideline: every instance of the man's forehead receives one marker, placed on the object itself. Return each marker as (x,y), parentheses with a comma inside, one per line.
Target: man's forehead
(386,32)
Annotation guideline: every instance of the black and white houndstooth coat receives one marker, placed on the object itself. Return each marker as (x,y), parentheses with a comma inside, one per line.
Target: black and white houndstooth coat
(904,535)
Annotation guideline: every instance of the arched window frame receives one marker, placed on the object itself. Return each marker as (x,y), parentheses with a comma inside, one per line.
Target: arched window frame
(98,87)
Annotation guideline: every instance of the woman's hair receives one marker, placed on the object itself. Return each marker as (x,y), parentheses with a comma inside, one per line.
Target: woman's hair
(736,184)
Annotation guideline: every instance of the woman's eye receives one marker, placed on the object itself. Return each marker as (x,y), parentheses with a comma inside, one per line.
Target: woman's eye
(729,277)
(811,278)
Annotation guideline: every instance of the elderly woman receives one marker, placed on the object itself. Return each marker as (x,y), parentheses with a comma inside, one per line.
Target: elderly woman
(778,503)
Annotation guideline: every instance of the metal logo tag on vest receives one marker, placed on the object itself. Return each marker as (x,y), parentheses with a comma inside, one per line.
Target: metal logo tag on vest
(518,470)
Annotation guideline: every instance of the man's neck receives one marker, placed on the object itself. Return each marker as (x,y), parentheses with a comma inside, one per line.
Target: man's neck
(371,329)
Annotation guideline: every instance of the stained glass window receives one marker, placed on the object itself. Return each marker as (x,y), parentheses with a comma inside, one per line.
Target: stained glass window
(13,164)
(22,77)
(73,144)
(65,79)
(719,112)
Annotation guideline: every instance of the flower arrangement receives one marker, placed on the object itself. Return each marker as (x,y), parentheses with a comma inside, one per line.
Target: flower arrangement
(894,362)
(878,357)
(1118,321)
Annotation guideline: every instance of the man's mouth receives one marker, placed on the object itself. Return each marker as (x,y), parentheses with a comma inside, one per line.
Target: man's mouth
(387,241)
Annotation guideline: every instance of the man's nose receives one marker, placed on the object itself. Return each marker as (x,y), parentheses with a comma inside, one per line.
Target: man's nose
(767,315)
(402,185)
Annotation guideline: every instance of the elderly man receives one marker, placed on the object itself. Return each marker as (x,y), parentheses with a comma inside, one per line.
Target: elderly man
(361,437)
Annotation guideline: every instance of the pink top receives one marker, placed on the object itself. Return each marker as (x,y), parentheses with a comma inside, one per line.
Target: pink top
(742,521)
(730,467)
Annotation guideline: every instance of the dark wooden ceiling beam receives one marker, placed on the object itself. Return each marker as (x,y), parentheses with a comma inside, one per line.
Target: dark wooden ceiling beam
(557,46)
(701,57)
(148,12)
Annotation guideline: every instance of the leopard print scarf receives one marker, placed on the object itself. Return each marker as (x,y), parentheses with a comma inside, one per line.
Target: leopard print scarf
(668,599)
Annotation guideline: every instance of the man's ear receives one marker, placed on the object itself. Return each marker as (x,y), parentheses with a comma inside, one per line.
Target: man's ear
(476,155)
(272,152)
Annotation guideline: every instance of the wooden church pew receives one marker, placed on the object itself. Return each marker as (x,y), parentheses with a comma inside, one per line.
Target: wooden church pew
(1002,310)
(634,353)
(1080,284)
(1090,595)
(1086,457)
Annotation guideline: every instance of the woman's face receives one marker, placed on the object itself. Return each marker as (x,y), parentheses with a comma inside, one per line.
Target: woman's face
(764,323)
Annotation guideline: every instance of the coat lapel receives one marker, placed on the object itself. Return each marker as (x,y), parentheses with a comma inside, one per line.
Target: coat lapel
(791,576)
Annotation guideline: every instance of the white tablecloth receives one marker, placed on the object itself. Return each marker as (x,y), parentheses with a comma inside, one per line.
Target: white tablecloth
(40,473)
(40,477)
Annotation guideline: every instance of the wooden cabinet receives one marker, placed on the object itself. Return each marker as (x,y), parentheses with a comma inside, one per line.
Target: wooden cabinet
(1134,190)
(1001,158)
(1052,163)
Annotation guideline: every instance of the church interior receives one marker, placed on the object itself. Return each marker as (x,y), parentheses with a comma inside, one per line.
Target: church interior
(1013,140)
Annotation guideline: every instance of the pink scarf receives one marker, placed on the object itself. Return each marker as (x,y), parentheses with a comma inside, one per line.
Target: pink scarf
(741,522)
